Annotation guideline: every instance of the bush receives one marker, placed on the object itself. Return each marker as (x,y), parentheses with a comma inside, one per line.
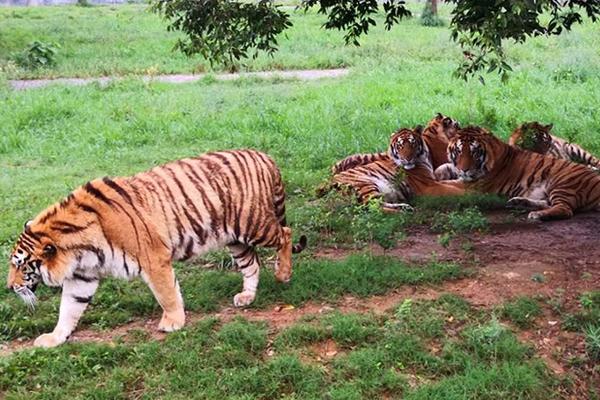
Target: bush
(37,54)
(428,18)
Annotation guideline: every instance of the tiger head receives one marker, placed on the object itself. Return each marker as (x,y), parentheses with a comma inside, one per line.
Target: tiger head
(532,136)
(472,152)
(407,147)
(46,251)
(443,126)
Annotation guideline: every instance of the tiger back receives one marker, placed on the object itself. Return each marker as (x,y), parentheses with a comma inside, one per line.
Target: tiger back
(136,226)
(551,188)
(536,137)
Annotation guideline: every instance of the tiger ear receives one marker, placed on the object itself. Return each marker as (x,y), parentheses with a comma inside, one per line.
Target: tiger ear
(439,116)
(418,129)
(27,224)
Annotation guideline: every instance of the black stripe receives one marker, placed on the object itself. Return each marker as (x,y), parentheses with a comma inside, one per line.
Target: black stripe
(78,277)
(83,299)
(88,187)
(67,228)
(86,208)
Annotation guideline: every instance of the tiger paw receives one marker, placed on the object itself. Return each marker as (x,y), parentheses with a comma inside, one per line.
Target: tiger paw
(48,340)
(171,322)
(517,202)
(397,207)
(243,299)
(283,274)
(534,216)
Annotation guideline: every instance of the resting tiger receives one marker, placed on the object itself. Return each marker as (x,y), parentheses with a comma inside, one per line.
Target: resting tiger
(552,188)
(136,226)
(435,136)
(383,177)
(536,137)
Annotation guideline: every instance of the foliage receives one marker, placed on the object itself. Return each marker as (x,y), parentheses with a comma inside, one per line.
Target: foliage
(592,341)
(222,30)
(428,17)
(481,28)
(521,311)
(37,54)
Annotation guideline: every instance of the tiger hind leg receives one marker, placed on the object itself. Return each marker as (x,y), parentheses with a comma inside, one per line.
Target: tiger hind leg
(165,287)
(557,211)
(249,265)
(527,204)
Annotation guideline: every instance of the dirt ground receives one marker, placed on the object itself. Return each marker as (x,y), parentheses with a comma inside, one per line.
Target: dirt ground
(553,261)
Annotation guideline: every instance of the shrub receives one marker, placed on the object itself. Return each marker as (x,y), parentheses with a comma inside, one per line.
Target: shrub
(37,54)
(428,18)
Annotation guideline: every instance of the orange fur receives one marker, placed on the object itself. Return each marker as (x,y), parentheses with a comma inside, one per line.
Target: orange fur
(552,188)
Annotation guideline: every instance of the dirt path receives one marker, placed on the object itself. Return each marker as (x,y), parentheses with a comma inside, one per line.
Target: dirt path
(310,74)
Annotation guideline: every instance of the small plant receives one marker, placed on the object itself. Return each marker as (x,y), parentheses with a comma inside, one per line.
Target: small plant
(521,311)
(592,342)
(456,222)
(404,309)
(429,17)
(37,54)
(371,224)
(539,278)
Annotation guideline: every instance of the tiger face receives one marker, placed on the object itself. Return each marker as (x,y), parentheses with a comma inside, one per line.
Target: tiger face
(406,146)
(37,257)
(443,126)
(469,153)
(532,136)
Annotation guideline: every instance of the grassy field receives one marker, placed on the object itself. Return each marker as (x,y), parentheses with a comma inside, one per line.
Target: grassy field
(56,138)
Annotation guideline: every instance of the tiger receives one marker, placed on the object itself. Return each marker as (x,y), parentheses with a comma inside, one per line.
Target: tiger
(436,135)
(406,172)
(548,187)
(537,137)
(134,226)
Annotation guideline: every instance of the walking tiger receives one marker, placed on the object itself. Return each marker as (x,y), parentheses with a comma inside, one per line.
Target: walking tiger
(136,226)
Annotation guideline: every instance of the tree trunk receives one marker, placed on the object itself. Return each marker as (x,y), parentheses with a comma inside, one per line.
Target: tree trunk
(434,7)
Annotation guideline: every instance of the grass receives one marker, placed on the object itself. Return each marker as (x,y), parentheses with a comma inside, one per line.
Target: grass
(521,311)
(118,302)
(377,356)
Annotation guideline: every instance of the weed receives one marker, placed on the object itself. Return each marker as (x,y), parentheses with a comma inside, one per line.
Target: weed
(37,54)
(592,342)
(521,311)
(539,278)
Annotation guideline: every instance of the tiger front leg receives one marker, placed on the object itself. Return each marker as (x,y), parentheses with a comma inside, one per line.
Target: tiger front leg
(247,261)
(76,295)
(527,204)
(165,287)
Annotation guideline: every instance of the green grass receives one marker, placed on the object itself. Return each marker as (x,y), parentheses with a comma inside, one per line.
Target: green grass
(378,356)
(521,311)
(118,302)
